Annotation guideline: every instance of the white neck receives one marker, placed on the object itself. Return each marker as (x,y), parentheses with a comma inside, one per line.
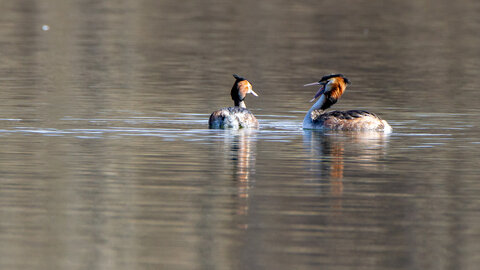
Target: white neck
(242,104)
(307,121)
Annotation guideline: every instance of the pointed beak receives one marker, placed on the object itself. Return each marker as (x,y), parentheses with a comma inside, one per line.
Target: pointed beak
(321,90)
(253,93)
(310,84)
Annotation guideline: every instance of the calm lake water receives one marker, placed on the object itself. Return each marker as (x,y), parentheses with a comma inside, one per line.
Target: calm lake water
(107,162)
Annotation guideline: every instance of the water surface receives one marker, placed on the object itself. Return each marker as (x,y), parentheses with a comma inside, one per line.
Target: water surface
(107,161)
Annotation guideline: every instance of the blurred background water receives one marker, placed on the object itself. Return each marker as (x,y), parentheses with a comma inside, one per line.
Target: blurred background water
(107,163)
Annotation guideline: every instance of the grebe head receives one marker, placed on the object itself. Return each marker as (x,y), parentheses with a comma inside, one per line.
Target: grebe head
(240,89)
(332,85)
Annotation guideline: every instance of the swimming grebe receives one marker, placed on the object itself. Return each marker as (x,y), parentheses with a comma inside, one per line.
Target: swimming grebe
(331,89)
(238,116)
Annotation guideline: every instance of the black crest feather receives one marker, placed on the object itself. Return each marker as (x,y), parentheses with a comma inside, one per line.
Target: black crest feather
(238,78)
(326,77)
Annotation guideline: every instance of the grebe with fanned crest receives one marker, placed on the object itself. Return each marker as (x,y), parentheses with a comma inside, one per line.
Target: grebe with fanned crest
(331,89)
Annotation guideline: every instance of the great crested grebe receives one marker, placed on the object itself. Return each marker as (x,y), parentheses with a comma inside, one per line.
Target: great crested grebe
(238,116)
(331,89)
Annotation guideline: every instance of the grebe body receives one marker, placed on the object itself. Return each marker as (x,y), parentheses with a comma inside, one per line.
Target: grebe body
(331,89)
(238,116)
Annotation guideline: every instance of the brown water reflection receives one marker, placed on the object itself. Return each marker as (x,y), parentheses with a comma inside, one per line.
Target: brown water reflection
(328,151)
(240,150)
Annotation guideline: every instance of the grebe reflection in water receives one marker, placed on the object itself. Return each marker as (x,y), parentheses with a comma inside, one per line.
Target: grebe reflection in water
(333,153)
(240,145)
